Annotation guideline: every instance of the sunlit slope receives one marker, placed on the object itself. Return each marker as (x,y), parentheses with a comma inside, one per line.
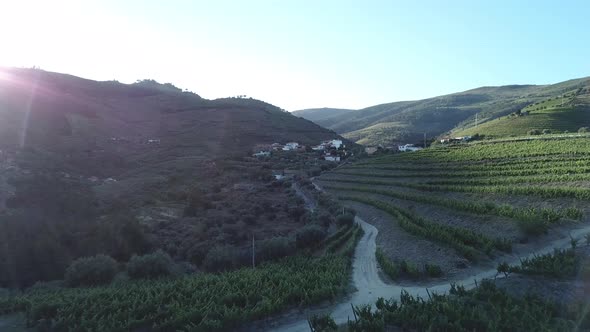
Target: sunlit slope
(556,115)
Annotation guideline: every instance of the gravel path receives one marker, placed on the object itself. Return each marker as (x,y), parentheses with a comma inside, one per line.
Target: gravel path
(370,287)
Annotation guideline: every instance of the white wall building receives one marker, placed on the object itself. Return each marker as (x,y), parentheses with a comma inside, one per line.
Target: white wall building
(332,158)
(408,147)
(291,146)
(336,143)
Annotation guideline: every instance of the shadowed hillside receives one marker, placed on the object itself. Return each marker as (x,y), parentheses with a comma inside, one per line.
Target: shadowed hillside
(96,121)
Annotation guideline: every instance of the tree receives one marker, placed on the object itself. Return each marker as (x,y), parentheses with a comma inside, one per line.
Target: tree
(583,130)
(91,271)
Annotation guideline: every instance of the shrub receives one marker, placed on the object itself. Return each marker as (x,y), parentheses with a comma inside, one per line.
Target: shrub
(157,264)
(219,258)
(309,236)
(433,270)
(346,219)
(546,131)
(275,248)
(91,271)
(324,323)
(535,132)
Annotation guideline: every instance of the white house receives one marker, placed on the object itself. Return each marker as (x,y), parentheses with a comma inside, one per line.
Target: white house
(408,147)
(336,143)
(291,146)
(332,158)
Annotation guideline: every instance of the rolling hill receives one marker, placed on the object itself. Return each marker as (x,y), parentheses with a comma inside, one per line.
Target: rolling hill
(407,121)
(318,114)
(91,167)
(105,128)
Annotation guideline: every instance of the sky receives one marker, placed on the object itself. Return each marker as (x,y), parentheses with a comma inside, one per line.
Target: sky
(300,54)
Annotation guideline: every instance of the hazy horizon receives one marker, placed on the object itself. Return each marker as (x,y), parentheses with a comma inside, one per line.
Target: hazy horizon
(300,55)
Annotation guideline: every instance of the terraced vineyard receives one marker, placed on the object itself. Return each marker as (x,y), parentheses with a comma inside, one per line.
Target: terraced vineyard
(206,302)
(480,200)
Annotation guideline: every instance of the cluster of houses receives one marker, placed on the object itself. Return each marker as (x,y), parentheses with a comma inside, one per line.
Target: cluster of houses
(446,140)
(331,150)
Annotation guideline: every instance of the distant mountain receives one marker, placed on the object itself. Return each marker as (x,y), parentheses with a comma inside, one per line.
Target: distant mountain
(105,128)
(318,114)
(407,121)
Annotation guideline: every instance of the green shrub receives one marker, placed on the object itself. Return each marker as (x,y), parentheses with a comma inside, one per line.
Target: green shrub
(275,248)
(534,132)
(309,236)
(583,130)
(221,258)
(546,131)
(433,270)
(389,267)
(155,265)
(91,271)
(322,323)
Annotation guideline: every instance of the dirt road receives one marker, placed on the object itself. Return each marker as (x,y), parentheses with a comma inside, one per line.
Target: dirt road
(370,287)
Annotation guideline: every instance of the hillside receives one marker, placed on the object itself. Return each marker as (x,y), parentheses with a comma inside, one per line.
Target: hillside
(407,121)
(92,167)
(555,115)
(318,114)
(91,120)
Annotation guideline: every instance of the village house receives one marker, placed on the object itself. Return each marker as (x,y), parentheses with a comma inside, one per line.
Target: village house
(336,143)
(408,147)
(291,146)
(332,158)
(260,154)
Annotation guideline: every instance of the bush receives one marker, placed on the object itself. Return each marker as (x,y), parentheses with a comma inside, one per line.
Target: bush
(220,258)
(346,219)
(535,132)
(91,271)
(275,248)
(583,130)
(433,270)
(155,265)
(323,323)
(546,131)
(309,236)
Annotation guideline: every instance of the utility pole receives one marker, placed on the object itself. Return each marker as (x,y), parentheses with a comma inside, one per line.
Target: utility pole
(476,114)
(425,140)
(253,253)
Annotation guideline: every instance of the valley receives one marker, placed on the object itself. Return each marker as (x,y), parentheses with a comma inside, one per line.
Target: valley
(142,207)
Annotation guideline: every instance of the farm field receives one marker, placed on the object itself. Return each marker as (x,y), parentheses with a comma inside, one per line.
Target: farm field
(473,204)
(202,302)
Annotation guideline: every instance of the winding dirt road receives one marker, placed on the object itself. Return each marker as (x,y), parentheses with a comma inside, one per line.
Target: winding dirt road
(370,287)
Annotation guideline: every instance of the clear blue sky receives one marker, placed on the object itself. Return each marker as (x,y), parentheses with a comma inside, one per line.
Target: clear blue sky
(302,54)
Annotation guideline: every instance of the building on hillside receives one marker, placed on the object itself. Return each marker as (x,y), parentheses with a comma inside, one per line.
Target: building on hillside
(278,174)
(291,146)
(332,158)
(336,143)
(408,147)
(276,146)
